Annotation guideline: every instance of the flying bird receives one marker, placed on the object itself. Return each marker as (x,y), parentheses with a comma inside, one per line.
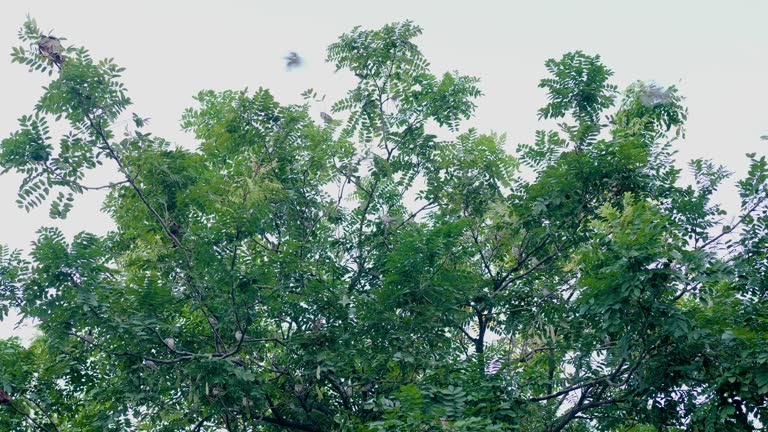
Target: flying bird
(292,60)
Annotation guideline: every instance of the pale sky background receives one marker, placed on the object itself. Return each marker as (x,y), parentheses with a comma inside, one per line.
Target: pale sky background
(714,51)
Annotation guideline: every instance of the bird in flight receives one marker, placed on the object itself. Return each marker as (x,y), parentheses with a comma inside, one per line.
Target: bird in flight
(292,60)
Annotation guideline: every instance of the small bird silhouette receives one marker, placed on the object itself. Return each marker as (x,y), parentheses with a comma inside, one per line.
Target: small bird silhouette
(50,48)
(326,117)
(549,294)
(241,337)
(292,60)
(5,398)
(170,343)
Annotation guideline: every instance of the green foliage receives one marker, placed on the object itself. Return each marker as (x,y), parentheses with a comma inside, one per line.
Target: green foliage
(650,109)
(363,275)
(578,87)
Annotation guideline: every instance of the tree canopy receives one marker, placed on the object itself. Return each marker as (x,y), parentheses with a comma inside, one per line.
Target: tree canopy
(384,268)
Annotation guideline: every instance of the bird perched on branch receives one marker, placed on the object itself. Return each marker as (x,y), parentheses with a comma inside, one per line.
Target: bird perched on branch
(50,48)
(318,324)
(292,60)
(549,294)
(5,398)
(241,337)
(326,117)
(170,343)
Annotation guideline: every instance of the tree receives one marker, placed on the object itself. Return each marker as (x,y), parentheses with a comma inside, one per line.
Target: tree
(360,273)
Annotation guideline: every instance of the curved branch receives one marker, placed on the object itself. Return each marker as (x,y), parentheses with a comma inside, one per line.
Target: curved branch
(736,225)
(29,418)
(47,415)
(113,154)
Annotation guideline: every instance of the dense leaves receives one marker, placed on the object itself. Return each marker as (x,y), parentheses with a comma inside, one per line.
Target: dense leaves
(383,269)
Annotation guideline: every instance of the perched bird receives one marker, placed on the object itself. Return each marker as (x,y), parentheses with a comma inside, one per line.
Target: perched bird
(652,94)
(387,219)
(5,398)
(365,390)
(243,338)
(292,60)
(50,48)
(150,364)
(318,324)
(326,117)
(89,336)
(213,321)
(170,343)
(549,294)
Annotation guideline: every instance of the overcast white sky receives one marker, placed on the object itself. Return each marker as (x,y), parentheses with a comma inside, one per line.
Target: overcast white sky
(714,51)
